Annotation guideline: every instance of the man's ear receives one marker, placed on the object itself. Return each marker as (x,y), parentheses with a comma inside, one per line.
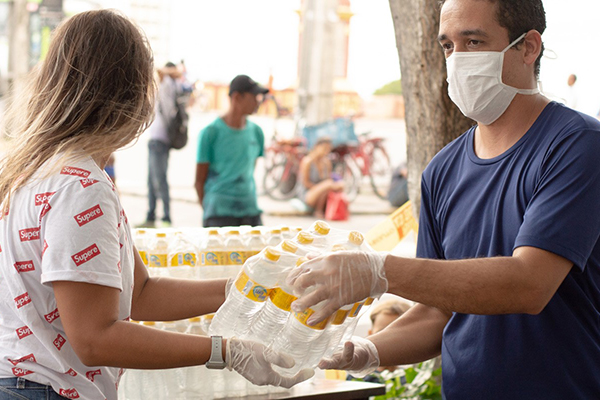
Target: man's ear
(533,47)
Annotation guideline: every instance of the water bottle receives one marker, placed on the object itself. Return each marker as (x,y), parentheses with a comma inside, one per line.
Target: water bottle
(275,314)
(194,327)
(353,317)
(255,243)
(274,238)
(196,383)
(286,232)
(234,246)
(326,344)
(141,245)
(304,240)
(206,321)
(182,257)
(320,230)
(158,253)
(354,242)
(247,297)
(211,255)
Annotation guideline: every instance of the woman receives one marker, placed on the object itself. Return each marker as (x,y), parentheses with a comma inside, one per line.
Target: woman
(315,177)
(70,278)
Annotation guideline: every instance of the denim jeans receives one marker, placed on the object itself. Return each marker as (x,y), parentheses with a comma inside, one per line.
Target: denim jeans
(22,389)
(217,222)
(158,162)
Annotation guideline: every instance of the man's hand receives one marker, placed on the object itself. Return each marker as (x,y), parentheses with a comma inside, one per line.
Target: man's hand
(338,279)
(359,357)
(255,362)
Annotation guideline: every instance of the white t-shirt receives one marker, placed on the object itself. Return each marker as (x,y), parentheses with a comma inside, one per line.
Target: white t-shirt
(67,227)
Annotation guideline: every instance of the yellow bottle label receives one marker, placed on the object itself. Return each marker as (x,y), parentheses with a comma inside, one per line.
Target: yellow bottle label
(369,301)
(157,260)
(339,317)
(251,289)
(248,254)
(303,316)
(355,310)
(235,257)
(144,256)
(211,258)
(181,259)
(282,299)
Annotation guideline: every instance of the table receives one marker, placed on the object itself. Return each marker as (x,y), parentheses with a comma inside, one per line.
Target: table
(323,389)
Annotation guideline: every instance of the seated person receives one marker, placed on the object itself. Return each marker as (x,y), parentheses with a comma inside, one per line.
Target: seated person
(315,177)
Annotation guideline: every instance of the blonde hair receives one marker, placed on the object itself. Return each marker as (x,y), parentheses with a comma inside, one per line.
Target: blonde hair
(93,94)
(392,307)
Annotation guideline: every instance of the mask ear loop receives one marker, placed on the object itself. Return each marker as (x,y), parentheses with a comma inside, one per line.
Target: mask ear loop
(515,42)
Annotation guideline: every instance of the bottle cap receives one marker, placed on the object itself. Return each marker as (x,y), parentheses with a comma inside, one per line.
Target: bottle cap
(141,231)
(213,232)
(298,229)
(233,232)
(322,227)
(195,319)
(285,229)
(338,247)
(148,323)
(208,316)
(289,246)
(271,254)
(255,232)
(305,238)
(161,235)
(356,238)
(276,231)
(301,261)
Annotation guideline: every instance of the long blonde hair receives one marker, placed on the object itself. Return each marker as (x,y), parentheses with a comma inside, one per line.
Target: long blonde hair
(93,94)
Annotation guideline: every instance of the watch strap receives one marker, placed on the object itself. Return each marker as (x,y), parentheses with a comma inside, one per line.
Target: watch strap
(216,353)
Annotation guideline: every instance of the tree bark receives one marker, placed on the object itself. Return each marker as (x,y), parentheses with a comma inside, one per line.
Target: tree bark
(432,120)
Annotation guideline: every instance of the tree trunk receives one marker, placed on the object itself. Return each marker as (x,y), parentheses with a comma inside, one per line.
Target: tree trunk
(432,120)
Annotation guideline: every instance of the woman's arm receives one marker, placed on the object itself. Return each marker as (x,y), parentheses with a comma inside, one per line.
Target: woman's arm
(305,172)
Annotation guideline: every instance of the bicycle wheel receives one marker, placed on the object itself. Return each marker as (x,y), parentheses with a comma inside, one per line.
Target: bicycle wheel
(280,181)
(380,171)
(346,168)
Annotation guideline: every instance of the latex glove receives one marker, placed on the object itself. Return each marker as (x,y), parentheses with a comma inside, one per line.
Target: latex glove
(359,357)
(228,286)
(337,279)
(254,362)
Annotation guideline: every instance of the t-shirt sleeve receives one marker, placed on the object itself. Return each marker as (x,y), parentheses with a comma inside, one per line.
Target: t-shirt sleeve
(261,141)
(563,216)
(204,154)
(80,236)
(428,241)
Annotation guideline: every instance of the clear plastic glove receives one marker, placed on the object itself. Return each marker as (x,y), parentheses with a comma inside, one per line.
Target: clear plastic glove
(337,279)
(254,362)
(228,286)
(359,357)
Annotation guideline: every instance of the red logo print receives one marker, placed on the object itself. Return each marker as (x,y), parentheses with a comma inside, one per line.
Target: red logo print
(69,393)
(29,234)
(71,372)
(52,316)
(23,332)
(119,266)
(45,210)
(82,173)
(86,254)
(45,247)
(87,182)
(22,300)
(91,374)
(24,266)
(89,215)
(59,341)
(1,248)
(21,372)
(43,198)
(28,357)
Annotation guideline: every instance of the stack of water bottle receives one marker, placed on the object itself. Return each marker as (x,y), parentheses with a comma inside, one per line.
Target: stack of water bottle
(258,306)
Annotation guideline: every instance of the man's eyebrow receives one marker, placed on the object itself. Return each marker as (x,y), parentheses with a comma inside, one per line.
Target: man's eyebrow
(468,32)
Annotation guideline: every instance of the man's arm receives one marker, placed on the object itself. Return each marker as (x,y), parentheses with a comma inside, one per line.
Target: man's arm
(522,283)
(201,174)
(186,297)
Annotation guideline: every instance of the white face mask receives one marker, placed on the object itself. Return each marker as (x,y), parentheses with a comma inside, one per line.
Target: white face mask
(475,84)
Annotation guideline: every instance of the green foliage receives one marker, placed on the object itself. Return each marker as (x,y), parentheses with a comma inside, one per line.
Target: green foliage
(394,87)
(420,383)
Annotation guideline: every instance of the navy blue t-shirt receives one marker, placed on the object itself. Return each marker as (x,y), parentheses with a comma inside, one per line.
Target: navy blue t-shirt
(543,192)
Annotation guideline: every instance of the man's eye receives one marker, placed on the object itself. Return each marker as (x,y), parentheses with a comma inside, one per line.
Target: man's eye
(473,42)
(447,46)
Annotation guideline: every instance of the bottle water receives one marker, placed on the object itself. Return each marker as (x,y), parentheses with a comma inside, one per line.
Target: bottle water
(247,297)
(141,245)
(320,230)
(206,321)
(196,384)
(158,253)
(275,314)
(211,255)
(255,243)
(324,345)
(194,327)
(353,317)
(274,238)
(305,241)
(234,246)
(182,257)
(286,233)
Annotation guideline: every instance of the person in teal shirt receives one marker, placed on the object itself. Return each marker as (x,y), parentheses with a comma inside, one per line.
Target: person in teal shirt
(227,153)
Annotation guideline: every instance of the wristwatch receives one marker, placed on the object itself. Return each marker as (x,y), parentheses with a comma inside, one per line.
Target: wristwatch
(216,354)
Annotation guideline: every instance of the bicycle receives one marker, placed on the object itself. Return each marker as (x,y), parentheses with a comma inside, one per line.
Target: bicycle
(281,177)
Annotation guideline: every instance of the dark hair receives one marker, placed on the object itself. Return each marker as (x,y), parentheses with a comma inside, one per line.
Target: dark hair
(519,17)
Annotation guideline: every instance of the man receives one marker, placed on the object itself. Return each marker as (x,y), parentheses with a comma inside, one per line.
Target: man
(227,153)
(508,274)
(572,95)
(159,144)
